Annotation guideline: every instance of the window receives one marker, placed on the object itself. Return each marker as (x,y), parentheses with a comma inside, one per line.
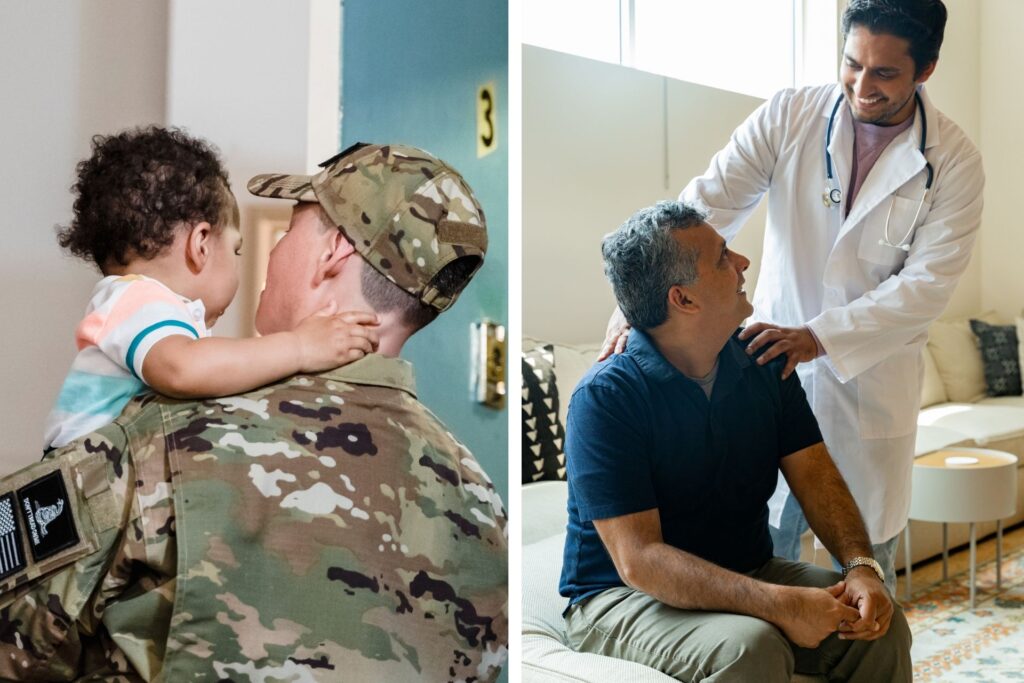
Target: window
(586,28)
(753,47)
(744,46)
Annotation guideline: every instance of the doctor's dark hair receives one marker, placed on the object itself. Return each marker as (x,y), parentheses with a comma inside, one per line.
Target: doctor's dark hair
(139,188)
(643,261)
(921,23)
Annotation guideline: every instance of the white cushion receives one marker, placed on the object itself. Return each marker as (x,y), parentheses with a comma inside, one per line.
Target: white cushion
(932,389)
(1005,401)
(931,438)
(983,423)
(544,510)
(542,605)
(546,656)
(957,357)
(547,661)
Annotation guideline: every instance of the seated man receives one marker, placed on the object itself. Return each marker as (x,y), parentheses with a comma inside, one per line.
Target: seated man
(673,451)
(326,527)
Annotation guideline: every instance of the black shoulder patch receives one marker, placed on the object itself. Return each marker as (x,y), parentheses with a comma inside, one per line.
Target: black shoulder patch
(12,554)
(46,512)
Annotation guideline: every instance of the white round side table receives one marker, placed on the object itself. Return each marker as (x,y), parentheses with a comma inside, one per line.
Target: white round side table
(965,485)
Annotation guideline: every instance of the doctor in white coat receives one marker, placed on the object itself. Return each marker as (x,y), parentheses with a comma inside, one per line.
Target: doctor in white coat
(847,289)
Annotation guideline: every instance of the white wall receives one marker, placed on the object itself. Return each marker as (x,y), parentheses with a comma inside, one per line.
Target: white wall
(261,80)
(68,70)
(592,154)
(955,88)
(594,137)
(1002,146)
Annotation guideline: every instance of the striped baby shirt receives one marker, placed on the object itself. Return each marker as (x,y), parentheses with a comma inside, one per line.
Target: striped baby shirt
(126,316)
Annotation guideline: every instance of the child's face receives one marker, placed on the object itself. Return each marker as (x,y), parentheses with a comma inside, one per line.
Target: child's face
(224,267)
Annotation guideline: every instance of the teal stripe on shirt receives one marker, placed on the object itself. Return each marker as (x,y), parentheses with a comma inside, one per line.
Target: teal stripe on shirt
(89,394)
(134,346)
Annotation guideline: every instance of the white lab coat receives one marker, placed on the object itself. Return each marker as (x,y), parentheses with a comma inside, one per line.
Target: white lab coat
(869,305)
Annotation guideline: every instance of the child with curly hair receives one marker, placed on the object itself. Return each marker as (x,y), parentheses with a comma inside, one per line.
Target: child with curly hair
(155,213)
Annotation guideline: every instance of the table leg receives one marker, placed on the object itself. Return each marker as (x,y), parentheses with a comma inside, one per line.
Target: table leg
(906,555)
(945,551)
(973,559)
(999,554)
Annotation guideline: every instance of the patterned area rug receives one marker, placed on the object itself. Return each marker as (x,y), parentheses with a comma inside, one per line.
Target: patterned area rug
(954,644)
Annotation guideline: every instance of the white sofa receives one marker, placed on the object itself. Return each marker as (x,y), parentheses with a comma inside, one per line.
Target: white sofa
(955,412)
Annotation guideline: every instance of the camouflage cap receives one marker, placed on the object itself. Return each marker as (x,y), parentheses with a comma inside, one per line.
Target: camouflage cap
(406,212)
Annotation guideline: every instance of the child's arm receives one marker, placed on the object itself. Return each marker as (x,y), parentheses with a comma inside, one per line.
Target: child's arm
(182,367)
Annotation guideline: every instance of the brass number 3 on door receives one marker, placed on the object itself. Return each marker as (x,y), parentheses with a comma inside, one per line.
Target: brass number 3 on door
(486,120)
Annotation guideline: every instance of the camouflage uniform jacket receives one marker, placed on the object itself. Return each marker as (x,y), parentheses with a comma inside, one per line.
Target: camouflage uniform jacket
(325,528)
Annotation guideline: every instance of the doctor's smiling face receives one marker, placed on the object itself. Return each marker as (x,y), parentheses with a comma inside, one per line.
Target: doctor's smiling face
(879,76)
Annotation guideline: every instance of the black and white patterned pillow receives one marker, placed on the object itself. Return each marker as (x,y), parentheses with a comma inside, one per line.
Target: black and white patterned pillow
(543,433)
(1000,357)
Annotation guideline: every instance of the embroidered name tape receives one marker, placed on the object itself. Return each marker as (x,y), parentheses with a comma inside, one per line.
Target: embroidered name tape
(46,512)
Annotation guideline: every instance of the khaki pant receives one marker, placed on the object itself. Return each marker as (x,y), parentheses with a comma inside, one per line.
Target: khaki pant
(696,646)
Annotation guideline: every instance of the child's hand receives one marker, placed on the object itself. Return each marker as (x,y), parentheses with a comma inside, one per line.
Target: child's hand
(327,339)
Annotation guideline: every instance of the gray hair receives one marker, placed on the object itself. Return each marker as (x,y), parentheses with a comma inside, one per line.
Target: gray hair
(643,261)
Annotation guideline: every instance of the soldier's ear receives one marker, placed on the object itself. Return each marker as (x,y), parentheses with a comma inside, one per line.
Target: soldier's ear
(334,257)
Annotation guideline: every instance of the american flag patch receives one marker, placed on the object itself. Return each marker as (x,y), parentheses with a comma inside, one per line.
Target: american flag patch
(12,558)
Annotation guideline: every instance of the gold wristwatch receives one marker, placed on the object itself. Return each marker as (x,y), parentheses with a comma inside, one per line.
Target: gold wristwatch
(865,562)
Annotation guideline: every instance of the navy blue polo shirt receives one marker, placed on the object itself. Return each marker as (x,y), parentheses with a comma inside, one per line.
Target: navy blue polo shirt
(641,435)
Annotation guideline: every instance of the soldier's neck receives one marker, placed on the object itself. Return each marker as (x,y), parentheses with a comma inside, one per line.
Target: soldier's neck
(393,334)
(390,348)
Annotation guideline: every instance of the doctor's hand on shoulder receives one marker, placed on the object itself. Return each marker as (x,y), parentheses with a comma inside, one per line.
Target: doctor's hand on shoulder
(616,335)
(797,343)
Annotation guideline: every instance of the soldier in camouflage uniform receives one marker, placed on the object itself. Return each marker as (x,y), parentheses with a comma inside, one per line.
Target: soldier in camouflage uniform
(324,528)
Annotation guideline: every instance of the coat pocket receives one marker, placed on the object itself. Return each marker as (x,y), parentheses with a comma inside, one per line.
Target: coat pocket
(881,245)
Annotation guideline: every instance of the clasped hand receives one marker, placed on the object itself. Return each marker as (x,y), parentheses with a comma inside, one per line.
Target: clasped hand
(859,608)
(863,591)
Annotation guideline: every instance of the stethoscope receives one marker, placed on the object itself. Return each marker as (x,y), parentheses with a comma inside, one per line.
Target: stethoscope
(833,195)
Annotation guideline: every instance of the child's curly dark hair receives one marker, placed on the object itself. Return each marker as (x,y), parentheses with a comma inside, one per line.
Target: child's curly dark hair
(138,188)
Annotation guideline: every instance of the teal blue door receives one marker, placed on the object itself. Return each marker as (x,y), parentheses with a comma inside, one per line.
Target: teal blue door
(410,73)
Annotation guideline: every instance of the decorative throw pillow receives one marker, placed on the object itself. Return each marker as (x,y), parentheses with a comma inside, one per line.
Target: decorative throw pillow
(955,350)
(1020,345)
(543,433)
(999,354)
